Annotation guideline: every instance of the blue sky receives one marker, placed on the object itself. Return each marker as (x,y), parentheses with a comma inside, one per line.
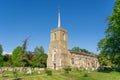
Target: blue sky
(83,19)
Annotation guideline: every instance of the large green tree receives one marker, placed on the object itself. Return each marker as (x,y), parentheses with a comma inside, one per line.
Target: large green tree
(39,58)
(16,56)
(19,55)
(110,45)
(1,56)
(104,59)
(78,49)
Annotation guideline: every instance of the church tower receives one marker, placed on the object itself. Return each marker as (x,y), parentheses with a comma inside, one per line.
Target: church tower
(58,48)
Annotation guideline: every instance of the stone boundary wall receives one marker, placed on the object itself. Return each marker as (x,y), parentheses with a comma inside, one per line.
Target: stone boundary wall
(20,68)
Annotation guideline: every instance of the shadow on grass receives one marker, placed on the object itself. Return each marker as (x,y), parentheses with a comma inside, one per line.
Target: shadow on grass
(17,79)
(5,76)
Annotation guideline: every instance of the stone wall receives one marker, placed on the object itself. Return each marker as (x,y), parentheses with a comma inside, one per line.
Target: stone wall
(83,60)
(60,57)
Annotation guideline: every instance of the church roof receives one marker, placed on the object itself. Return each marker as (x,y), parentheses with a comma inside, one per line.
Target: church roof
(82,53)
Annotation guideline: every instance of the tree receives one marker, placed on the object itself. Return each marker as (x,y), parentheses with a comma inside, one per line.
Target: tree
(16,56)
(1,56)
(78,49)
(29,55)
(110,45)
(40,58)
(24,59)
(24,45)
(19,56)
(7,60)
(104,59)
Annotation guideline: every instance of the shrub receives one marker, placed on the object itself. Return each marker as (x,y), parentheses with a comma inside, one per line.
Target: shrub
(116,68)
(81,69)
(49,72)
(105,69)
(67,70)
(85,75)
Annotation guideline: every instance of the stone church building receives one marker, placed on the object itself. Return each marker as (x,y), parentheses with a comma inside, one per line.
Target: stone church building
(60,57)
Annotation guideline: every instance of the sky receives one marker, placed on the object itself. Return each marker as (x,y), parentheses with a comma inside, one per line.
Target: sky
(83,19)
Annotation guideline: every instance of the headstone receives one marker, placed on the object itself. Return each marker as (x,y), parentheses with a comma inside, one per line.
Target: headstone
(38,72)
(20,69)
(29,71)
(3,72)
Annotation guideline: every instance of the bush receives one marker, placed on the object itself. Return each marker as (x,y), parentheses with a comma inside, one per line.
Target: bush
(109,69)
(85,75)
(117,68)
(105,69)
(67,70)
(81,69)
(49,72)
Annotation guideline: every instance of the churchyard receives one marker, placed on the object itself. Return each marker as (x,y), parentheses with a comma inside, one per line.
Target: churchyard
(28,73)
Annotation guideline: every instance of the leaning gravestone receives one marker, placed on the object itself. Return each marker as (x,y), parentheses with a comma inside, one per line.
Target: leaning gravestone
(3,73)
(29,71)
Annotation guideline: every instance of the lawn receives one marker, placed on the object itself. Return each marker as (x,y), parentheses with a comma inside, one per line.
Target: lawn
(60,75)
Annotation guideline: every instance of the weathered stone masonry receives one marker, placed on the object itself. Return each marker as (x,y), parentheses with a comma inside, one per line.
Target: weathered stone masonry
(60,57)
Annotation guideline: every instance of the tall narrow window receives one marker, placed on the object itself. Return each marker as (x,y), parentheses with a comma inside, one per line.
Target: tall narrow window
(72,60)
(55,36)
(63,36)
(54,57)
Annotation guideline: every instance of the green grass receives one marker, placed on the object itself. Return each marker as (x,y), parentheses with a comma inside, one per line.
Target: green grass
(60,75)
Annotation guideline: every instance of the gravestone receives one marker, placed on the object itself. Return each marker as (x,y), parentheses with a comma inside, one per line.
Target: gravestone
(38,72)
(29,71)
(3,73)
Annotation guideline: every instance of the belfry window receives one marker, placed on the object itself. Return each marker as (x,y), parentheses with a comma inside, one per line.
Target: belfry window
(55,36)
(63,36)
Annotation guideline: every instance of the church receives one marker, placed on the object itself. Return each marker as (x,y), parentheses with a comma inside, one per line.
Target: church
(60,57)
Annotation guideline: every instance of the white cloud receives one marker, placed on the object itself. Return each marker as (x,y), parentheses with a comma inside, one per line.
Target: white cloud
(5,52)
